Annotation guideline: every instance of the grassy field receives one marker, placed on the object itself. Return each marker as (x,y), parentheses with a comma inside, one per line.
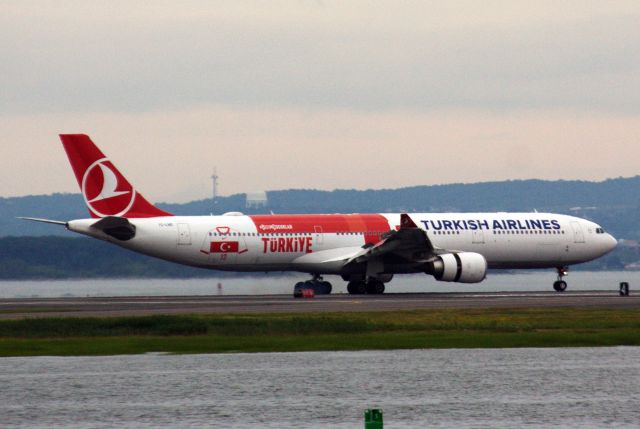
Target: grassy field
(314,331)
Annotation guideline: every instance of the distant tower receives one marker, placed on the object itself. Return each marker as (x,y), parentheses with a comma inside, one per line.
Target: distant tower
(214,179)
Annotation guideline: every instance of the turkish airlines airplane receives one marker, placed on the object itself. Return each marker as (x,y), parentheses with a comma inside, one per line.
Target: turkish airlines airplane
(366,250)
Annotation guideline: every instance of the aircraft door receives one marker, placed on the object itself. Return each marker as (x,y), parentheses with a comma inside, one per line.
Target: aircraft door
(184,234)
(478,236)
(578,234)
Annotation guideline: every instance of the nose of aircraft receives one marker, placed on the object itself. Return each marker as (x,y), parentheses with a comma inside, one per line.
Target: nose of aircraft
(610,242)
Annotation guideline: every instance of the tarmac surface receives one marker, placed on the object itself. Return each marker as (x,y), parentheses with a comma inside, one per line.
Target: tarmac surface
(146,305)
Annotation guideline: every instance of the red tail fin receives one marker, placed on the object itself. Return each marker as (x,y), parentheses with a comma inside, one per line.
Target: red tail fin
(105,189)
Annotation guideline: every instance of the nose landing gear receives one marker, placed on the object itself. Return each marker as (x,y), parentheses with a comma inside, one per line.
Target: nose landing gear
(560,285)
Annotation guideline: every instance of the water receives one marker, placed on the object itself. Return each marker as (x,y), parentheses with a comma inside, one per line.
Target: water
(283,284)
(503,388)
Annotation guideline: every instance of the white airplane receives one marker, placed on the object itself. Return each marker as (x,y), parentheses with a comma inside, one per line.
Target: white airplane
(366,250)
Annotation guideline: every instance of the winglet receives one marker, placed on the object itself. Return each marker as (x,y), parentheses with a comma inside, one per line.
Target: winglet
(406,222)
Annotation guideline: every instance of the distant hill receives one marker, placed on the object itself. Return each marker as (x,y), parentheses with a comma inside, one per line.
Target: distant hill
(615,203)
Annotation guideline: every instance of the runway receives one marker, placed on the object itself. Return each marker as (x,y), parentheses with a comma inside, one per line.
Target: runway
(147,305)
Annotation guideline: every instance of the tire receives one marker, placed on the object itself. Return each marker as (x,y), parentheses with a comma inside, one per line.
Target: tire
(375,287)
(351,288)
(297,290)
(326,288)
(380,288)
(314,285)
(560,286)
(321,287)
(357,288)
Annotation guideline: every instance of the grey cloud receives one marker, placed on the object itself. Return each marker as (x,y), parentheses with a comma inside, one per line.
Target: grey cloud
(53,64)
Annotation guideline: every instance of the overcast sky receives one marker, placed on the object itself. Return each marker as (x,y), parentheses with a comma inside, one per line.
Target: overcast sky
(319,94)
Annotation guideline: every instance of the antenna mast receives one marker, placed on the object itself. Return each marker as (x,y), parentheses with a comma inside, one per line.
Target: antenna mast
(214,179)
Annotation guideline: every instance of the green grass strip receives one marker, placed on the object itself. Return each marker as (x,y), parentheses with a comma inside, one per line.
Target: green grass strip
(484,328)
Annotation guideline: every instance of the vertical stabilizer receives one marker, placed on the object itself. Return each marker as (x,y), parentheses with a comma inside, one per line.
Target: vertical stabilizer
(105,190)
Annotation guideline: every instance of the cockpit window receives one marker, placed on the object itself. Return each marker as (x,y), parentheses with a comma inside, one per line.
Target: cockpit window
(599,231)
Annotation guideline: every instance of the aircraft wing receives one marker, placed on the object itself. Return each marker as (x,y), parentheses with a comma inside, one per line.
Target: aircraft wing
(409,243)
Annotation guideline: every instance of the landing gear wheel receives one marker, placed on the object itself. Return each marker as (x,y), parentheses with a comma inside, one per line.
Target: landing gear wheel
(318,286)
(375,287)
(560,286)
(357,288)
(325,287)
(351,288)
(297,289)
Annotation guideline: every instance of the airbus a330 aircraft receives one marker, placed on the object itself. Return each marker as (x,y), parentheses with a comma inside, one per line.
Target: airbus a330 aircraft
(366,250)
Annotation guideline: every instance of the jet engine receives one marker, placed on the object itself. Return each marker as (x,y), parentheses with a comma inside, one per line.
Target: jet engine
(463,267)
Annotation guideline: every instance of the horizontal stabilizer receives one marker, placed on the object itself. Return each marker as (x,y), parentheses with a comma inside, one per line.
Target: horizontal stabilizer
(117,227)
(36,219)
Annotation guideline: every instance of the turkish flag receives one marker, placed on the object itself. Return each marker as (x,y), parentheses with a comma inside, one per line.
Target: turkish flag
(224,247)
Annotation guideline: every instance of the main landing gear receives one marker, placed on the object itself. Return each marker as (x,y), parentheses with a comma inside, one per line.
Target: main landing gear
(560,285)
(371,287)
(319,286)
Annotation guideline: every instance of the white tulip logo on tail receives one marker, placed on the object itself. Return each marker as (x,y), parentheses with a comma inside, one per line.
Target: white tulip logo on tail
(105,191)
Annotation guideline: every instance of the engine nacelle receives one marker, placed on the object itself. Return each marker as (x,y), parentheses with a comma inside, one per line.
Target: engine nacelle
(463,267)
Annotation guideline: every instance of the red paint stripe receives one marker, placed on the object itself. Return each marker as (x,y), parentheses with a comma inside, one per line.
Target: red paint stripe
(330,223)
